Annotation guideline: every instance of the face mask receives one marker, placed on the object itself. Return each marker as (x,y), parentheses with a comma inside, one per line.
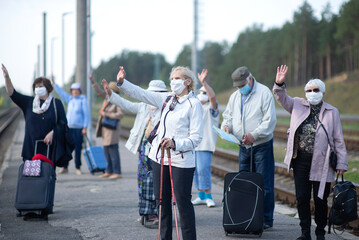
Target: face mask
(177,86)
(245,89)
(202,97)
(40,91)
(313,97)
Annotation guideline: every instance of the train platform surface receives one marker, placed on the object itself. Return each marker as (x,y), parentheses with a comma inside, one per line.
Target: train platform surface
(89,207)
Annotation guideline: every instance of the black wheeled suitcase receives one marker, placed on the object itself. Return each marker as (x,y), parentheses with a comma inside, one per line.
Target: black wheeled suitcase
(243,203)
(35,194)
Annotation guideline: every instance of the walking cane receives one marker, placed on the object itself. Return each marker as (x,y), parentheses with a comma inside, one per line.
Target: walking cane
(173,192)
(160,200)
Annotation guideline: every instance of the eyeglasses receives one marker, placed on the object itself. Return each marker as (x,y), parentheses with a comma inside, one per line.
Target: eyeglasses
(173,104)
(316,90)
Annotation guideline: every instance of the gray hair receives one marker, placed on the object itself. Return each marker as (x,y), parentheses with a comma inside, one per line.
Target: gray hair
(315,83)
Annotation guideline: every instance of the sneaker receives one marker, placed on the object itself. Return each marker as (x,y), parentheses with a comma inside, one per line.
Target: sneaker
(199,201)
(63,170)
(78,172)
(105,175)
(115,176)
(210,202)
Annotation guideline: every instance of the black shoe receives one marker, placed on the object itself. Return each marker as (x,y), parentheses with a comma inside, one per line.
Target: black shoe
(304,237)
(320,237)
(267,226)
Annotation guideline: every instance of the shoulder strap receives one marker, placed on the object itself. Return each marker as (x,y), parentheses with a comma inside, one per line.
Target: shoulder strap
(326,133)
(55,110)
(165,103)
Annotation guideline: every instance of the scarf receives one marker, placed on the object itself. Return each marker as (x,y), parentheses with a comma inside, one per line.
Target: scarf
(36,104)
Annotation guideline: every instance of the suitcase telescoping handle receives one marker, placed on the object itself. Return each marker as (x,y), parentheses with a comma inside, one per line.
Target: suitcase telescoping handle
(250,162)
(88,140)
(48,147)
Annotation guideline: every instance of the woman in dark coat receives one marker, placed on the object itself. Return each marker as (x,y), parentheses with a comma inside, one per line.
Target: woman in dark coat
(39,113)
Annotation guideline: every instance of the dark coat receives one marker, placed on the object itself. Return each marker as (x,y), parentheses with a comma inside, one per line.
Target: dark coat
(64,144)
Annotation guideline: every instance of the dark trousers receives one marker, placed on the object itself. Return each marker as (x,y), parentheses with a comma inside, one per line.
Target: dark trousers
(303,188)
(113,159)
(182,184)
(263,163)
(78,138)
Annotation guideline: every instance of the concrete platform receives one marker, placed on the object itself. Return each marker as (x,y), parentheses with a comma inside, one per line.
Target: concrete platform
(87,207)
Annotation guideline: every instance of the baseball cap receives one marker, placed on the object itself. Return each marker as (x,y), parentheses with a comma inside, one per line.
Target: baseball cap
(239,76)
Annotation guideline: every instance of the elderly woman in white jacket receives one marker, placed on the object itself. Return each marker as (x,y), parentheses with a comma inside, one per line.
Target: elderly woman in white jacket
(180,130)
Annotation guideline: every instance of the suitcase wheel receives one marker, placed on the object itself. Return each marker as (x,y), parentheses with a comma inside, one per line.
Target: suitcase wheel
(226,233)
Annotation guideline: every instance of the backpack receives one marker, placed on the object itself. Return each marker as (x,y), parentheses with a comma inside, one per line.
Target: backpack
(344,206)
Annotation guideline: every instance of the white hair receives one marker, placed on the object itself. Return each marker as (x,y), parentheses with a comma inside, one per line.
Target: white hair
(315,83)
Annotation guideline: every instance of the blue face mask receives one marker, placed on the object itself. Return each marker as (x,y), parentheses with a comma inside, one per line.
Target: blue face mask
(245,90)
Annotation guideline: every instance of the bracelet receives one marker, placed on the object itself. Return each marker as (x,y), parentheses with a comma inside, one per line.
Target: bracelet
(279,84)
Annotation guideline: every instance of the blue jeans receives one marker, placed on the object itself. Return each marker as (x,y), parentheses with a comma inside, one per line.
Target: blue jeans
(182,184)
(78,138)
(263,163)
(113,159)
(202,174)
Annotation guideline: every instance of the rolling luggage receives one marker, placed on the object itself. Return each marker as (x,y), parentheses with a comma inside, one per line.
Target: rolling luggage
(95,158)
(243,203)
(35,194)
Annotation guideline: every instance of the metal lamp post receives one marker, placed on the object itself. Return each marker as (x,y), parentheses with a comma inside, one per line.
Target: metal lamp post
(63,46)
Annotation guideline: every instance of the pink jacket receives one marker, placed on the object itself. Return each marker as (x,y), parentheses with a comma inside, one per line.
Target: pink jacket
(299,109)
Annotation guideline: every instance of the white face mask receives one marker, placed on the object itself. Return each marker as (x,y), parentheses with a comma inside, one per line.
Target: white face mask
(313,97)
(202,97)
(40,91)
(177,86)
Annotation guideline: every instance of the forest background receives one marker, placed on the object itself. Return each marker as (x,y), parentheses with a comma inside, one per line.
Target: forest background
(325,48)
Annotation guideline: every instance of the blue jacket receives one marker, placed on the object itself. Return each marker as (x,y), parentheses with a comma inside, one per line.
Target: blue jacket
(77,109)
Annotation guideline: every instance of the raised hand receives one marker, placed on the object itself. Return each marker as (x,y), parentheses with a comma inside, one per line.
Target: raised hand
(4,71)
(281,72)
(106,87)
(90,77)
(121,75)
(202,76)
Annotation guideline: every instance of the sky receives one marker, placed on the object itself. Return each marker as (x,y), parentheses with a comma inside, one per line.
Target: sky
(156,26)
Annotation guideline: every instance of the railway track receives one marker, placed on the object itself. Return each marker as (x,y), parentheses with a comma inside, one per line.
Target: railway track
(7,117)
(225,161)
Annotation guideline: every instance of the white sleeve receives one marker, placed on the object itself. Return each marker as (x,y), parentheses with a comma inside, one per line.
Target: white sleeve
(136,92)
(124,104)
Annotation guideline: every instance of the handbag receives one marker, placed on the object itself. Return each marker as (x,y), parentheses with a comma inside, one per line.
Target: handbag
(344,205)
(153,133)
(109,123)
(333,159)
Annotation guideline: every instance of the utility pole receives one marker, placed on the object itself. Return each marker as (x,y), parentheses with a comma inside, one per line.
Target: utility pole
(52,54)
(38,61)
(194,44)
(44,44)
(89,67)
(81,44)
(63,47)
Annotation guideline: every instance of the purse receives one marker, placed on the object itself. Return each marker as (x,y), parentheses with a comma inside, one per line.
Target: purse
(333,159)
(109,123)
(344,205)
